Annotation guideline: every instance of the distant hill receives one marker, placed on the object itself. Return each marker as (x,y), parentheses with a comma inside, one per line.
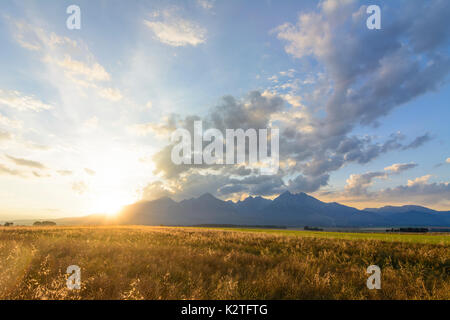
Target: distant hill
(292,210)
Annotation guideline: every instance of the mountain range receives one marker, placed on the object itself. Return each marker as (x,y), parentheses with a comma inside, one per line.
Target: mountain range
(290,210)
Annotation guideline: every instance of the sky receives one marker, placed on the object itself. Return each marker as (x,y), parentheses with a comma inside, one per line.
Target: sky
(86,114)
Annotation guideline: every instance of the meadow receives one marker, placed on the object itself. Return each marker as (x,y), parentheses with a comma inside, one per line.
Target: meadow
(137,262)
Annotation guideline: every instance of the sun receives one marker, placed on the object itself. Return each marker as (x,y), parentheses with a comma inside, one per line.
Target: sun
(110,204)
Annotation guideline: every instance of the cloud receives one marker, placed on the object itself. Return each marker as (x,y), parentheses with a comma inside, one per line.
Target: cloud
(91,123)
(80,187)
(111,94)
(21,102)
(307,184)
(6,170)
(89,171)
(64,172)
(16,124)
(358,184)
(419,181)
(34,38)
(74,68)
(418,190)
(400,167)
(4,136)
(63,55)
(309,155)
(167,125)
(171,29)
(206,4)
(39,175)
(418,142)
(26,163)
(371,72)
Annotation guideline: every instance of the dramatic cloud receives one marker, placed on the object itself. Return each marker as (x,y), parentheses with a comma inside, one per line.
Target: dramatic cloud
(171,29)
(372,72)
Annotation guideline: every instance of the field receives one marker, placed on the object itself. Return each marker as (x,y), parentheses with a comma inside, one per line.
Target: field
(195,263)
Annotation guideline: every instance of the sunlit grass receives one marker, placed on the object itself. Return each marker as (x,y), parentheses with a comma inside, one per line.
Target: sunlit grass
(190,263)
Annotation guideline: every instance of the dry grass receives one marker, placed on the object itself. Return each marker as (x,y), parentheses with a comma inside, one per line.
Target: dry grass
(186,263)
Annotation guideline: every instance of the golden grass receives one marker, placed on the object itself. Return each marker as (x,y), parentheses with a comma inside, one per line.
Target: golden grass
(188,263)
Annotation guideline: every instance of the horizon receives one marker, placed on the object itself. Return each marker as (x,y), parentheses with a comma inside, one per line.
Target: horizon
(87,113)
(117,214)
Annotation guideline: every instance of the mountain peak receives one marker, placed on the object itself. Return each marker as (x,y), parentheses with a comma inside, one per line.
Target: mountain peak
(287,194)
(165,200)
(207,196)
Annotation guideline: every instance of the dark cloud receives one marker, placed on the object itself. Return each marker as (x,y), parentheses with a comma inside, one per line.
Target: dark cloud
(418,142)
(362,76)
(307,184)
(373,72)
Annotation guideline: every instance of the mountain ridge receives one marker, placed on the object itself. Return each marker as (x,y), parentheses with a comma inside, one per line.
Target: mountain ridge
(288,209)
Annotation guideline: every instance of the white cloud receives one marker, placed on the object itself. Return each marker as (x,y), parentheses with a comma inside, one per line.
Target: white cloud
(176,31)
(94,72)
(400,167)
(5,135)
(91,123)
(16,124)
(17,100)
(419,181)
(63,55)
(80,187)
(111,94)
(90,171)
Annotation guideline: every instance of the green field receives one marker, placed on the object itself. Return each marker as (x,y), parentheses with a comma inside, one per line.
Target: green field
(134,262)
(432,238)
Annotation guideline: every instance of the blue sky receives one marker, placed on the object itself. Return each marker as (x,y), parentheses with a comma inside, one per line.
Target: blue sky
(85,115)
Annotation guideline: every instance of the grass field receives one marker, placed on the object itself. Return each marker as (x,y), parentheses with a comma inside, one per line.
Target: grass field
(194,263)
(438,238)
